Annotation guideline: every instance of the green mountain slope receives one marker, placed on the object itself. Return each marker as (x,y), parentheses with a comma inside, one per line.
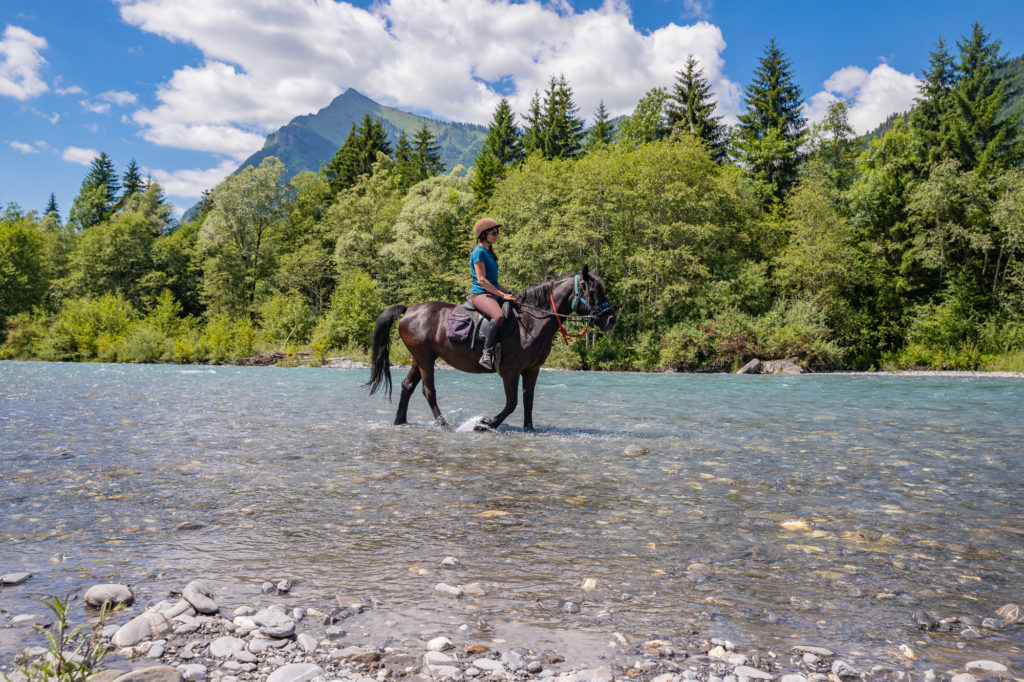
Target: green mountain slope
(308,141)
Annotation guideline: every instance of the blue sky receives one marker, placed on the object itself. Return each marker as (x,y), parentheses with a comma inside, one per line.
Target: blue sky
(189,88)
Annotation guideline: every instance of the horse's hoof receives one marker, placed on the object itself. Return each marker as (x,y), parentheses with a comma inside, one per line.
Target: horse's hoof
(483,425)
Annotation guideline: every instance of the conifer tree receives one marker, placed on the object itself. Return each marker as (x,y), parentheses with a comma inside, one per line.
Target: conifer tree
(533,126)
(554,126)
(97,197)
(984,139)
(771,131)
(427,154)
(132,183)
(51,210)
(602,132)
(932,117)
(691,108)
(405,162)
(357,154)
(501,148)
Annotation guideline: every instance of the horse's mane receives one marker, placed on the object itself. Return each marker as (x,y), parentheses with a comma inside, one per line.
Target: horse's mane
(537,294)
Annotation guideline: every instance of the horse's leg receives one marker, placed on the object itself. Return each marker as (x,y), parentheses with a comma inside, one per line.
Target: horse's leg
(408,386)
(427,372)
(511,381)
(529,383)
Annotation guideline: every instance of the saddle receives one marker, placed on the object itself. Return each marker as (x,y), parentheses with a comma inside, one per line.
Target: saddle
(466,324)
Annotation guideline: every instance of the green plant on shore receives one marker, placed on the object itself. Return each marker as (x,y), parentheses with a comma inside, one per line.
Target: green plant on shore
(73,654)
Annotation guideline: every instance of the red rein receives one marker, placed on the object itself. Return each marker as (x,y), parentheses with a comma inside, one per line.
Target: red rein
(554,309)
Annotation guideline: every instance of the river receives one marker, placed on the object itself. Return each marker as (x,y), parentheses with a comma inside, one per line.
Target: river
(770,510)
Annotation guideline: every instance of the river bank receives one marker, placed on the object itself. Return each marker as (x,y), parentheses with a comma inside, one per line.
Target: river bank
(204,632)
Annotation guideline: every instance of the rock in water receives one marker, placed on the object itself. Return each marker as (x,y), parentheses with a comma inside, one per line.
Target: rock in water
(986,668)
(1011,613)
(14,578)
(111,593)
(143,626)
(923,621)
(199,596)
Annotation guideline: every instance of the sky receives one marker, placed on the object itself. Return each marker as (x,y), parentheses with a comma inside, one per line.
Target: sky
(190,88)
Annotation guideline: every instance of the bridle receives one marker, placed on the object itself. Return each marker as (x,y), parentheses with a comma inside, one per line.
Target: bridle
(592,315)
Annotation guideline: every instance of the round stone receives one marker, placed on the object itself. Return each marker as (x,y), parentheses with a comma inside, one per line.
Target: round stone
(200,597)
(113,594)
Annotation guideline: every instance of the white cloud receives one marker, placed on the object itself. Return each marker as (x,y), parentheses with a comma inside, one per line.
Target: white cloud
(20,63)
(118,97)
(190,183)
(23,147)
(872,96)
(80,156)
(265,64)
(60,90)
(95,107)
(697,8)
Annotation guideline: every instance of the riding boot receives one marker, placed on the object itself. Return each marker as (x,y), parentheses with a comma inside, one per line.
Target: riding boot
(487,356)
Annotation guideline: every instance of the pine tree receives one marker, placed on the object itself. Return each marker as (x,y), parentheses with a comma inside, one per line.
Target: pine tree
(533,126)
(51,209)
(357,154)
(132,183)
(563,134)
(554,127)
(771,131)
(405,162)
(984,139)
(427,153)
(691,109)
(97,197)
(602,132)
(501,148)
(932,117)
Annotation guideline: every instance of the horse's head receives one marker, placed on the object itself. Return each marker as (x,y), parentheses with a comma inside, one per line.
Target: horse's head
(592,293)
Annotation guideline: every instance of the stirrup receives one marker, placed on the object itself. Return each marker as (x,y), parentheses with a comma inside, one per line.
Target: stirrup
(487,359)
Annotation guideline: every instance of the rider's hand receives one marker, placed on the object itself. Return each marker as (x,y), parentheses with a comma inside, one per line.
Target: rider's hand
(510,297)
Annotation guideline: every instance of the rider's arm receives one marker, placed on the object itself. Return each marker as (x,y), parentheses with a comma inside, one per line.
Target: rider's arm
(481,277)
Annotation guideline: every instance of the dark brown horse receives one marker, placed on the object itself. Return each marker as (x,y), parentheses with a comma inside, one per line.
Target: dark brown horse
(525,342)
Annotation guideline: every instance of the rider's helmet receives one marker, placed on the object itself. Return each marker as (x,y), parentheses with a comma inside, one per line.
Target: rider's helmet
(483,225)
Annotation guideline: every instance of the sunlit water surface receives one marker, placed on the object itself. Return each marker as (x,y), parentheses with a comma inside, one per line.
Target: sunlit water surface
(769,510)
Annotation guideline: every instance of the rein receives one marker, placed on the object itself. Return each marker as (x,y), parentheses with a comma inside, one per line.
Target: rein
(554,309)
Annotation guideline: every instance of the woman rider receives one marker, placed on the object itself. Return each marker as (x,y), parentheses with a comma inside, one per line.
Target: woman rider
(486,295)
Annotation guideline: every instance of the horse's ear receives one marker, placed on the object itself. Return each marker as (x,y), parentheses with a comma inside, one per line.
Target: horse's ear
(586,271)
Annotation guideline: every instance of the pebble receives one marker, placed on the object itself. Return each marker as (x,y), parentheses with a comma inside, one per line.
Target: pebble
(156,673)
(26,619)
(284,586)
(571,607)
(296,672)
(195,672)
(589,584)
(450,562)
(306,643)
(513,660)
(793,678)
(144,626)
(113,594)
(963,677)
(274,623)
(199,596)
(225,647)
(439,644)
(268,588)
(489,665)
(448,590)
(752,673)
(1011,613)
(11,579)
(986,667)
(816,650)
(844,670)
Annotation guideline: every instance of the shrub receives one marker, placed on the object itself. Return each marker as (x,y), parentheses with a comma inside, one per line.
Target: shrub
(85,327)
(355,305)
(684,347)
(225,340)
(23,332)
(798,329)
(285,318)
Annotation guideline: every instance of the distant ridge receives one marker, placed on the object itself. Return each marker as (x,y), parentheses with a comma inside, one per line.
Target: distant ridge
(306,142)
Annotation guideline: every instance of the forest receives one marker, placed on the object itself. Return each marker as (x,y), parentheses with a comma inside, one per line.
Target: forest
(772,238)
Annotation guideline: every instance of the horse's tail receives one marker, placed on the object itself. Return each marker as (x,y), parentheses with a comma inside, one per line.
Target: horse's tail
(380,368)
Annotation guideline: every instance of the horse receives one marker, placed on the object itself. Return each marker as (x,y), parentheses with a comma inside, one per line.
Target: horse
(525,340)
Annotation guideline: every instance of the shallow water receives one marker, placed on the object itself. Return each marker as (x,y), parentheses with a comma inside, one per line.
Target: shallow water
(769,510)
